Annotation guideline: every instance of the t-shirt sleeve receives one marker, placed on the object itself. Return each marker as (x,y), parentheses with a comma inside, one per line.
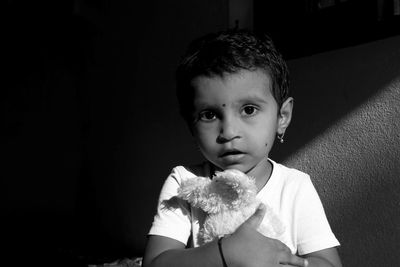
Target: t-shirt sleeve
(173,215)
(313,230)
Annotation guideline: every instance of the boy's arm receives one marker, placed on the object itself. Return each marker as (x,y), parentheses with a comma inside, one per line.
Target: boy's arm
(313,225)
(327,257)
(245,247)
(164,251)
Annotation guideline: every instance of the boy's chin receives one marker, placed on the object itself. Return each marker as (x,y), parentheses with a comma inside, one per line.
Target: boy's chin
(235,166)
(248,169)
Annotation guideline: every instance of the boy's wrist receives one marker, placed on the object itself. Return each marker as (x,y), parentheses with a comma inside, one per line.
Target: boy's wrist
(230,250)
(221,252)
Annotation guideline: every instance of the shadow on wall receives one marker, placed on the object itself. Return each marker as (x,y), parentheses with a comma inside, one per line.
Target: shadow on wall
(355,161)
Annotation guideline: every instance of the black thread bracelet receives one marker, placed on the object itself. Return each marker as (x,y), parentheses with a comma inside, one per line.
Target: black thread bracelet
(220,251)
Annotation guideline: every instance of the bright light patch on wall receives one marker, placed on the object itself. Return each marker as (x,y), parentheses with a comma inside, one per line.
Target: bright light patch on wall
(360,148)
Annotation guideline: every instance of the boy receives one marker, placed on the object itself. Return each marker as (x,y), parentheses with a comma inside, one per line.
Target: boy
(233,93)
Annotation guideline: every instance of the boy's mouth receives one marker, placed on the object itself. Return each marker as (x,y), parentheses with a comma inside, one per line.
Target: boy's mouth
(229,157)
(230,153)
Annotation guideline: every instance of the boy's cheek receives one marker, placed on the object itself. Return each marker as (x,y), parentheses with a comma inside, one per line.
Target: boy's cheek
(204,131)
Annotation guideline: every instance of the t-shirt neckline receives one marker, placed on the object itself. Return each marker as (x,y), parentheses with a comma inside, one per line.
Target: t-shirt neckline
(271,180)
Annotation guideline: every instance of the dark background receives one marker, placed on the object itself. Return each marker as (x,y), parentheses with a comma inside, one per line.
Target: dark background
(306,27)
(90,127)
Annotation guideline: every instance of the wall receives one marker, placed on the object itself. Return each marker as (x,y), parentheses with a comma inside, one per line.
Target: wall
(44,57)
(346,135)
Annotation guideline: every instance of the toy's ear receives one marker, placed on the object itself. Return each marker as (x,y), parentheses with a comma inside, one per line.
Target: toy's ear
(193,189)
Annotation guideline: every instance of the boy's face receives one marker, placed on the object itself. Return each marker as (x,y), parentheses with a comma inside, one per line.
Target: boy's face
(236,119)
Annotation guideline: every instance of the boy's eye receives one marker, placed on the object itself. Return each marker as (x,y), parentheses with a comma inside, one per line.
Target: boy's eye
(207,115)
(249,110)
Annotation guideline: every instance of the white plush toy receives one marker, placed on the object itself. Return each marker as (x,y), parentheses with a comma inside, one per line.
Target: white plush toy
(229,198)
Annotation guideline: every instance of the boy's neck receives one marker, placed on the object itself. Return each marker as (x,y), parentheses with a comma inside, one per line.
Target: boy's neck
(262,174)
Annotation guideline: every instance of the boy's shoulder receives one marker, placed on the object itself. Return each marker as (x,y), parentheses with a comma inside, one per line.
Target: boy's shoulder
(289,174)
(193,170)
(288,169)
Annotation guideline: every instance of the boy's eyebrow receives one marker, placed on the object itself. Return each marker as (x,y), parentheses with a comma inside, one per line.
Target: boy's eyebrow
(255,98)
(204,105)
(244,100)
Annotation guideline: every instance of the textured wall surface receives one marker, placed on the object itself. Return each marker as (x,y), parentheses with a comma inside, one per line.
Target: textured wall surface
(349,102)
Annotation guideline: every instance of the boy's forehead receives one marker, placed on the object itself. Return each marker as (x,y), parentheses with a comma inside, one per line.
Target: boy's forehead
(244,78)
(244,83)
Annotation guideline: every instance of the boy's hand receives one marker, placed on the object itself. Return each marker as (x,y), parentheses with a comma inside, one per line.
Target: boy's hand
(247,247)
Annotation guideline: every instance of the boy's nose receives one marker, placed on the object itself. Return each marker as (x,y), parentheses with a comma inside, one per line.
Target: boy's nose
(228,131)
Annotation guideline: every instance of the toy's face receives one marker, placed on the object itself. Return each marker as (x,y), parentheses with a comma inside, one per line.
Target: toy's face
(235,188)
(226,191)
(236,120)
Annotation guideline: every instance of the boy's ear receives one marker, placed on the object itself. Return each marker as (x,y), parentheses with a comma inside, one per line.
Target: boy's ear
(285,115)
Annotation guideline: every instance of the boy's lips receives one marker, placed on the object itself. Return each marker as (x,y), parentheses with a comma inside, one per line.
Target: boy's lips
(229,152)
(231,155)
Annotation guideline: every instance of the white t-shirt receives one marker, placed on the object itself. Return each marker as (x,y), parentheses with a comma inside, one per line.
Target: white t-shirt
(289,192)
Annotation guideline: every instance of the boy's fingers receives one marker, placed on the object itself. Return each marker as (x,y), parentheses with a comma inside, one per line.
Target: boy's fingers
(283,247)
(294,260)
(255,220)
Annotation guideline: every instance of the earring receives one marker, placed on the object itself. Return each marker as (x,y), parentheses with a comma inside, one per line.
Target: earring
(280,137)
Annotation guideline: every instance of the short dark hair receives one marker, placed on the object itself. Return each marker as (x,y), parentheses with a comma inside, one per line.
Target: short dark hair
(229,52)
